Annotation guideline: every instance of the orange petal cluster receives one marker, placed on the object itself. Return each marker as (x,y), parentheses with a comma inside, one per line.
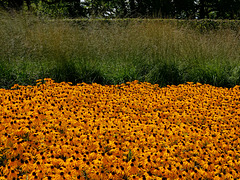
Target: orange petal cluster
(128,131)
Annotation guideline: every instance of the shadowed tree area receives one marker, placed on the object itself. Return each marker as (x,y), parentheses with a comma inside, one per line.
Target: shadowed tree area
(181,9)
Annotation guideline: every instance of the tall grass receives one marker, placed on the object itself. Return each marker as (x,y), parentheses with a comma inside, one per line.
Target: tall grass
(153,51)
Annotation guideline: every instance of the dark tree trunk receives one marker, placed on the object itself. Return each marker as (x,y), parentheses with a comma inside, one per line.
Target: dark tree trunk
(28,4)
(124,9)
(2,5)
(141,9)
(15,4)
(132,8)
(202,13)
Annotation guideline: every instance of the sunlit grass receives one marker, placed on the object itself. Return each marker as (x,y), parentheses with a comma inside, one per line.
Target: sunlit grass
(152,51)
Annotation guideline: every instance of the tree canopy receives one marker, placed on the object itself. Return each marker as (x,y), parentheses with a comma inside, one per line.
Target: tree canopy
(181,9)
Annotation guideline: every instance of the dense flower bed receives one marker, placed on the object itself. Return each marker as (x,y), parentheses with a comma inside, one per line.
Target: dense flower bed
(128,131)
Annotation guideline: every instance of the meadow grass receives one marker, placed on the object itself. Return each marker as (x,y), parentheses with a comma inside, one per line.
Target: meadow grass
(157,52)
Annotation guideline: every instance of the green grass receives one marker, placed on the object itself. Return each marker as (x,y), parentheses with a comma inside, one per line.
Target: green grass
(112,53)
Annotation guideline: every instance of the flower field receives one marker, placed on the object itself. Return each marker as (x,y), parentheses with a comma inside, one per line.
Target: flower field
(128,131)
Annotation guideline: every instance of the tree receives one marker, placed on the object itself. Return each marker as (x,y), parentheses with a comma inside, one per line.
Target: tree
(185,9)
(165,8)
(228,9)
(189,9)
(14,4)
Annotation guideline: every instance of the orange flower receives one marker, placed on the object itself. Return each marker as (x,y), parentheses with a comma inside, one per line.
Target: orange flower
(133,130)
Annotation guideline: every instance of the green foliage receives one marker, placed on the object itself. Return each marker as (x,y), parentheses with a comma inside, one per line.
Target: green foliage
(165,73)
(180,9)
(6,76)
(42,8)
(84,174)
(75,72)
(129,156)
(213,73)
